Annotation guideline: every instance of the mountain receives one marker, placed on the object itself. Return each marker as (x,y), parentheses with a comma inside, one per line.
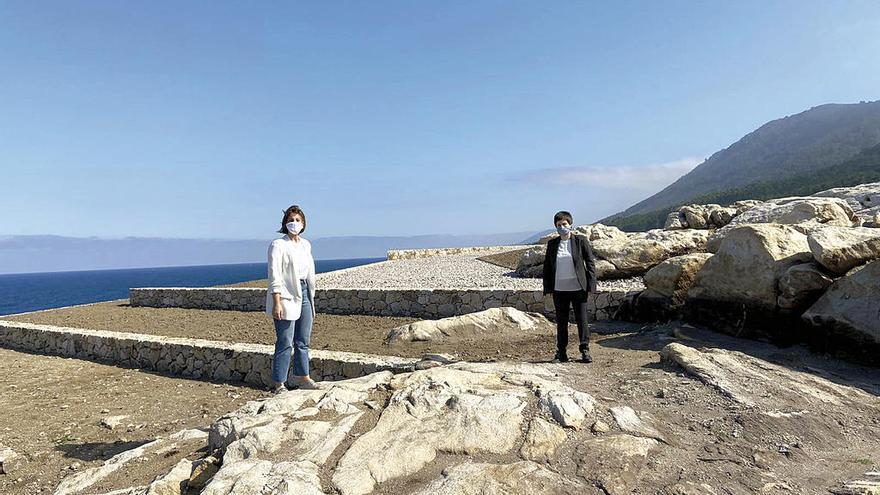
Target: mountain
(791,149)
(49,253)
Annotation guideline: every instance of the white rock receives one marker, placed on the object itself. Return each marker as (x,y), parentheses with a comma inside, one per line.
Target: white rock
(850,307)
(673,278)
(858,197)
(801,285)
(615,461)
(495,323)
(10,461)
(485,479)
(432,411)
(747,265)
(111,422)
(171,482)
(630,422)
(840,248)
(542,440)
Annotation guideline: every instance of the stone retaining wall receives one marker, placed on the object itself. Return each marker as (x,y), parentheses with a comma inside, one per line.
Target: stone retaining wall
(417,303)
(194,358)
(407,254)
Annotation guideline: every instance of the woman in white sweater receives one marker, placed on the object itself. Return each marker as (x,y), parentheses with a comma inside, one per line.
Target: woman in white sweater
(290,300)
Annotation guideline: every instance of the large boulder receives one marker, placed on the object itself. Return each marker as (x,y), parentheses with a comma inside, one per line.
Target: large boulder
(848,313)
(858,197)
(531,262)
(433,412)
(671,279)
(593,232)
(808,214)
(737,287)
(709,216)
(841,248)
(643,250)
(796,210)
(495,323)
(801,285)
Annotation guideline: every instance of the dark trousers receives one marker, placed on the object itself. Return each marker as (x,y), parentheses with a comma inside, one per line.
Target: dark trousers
(562,301)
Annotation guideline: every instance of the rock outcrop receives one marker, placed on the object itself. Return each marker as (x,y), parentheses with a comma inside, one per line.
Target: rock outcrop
(620,254)
(494,323)
(840,249)
(849,312)
(670,281)
(641,251)
(748,263)
(801,285)
(806,213)
(737,289)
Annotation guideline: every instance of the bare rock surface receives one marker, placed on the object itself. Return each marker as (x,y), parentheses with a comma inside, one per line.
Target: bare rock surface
(801,285)
(695,418)
(494,323)
(673,278)
(840,248)
(638,252)
(483,478)
(850,308)
(748,263)
(807,214)
(858,197)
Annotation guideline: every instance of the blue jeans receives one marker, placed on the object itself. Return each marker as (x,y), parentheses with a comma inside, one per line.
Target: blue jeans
(293,336)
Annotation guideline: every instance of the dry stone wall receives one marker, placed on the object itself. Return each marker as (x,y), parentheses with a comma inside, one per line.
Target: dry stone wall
(417,303)
(195,358)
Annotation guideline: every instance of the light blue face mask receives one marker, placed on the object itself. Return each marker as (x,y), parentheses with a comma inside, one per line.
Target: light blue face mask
(562,230)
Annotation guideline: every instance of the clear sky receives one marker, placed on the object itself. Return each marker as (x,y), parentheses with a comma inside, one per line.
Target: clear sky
(206,119)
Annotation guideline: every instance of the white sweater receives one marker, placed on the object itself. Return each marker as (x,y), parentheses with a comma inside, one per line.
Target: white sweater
(566,278)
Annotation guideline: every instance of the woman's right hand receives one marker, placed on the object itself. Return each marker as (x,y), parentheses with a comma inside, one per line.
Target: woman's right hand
(277,309)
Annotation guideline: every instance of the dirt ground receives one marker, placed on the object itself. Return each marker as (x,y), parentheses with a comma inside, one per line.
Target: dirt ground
(351,333)
(51,410)
(715,440)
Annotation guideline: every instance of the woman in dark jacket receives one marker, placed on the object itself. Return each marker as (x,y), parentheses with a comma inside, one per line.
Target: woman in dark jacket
(570,275)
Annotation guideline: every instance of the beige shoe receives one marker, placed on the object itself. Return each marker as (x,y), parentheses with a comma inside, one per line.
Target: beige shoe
(307,384)
(279,388)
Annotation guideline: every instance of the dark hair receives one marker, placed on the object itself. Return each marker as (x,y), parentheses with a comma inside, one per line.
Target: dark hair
(292,211)
(562,215)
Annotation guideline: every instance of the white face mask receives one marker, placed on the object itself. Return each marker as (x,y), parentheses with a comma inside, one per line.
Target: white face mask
(294,227)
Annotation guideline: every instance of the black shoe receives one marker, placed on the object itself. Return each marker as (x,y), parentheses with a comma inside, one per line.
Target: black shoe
(585,356)
(560,358)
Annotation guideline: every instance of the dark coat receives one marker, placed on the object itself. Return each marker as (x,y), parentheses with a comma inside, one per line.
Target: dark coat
(584,263)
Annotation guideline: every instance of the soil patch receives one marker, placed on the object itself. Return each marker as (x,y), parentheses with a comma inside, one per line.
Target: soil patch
(51,410)
(350,333)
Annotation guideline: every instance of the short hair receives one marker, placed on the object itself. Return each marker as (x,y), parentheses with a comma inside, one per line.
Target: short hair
(562,215)
(293,210)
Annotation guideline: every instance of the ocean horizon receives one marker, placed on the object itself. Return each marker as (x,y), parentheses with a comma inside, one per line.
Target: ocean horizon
(24,292)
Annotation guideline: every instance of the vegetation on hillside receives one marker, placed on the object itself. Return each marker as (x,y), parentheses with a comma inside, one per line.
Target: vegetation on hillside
(864,167)
(801,144)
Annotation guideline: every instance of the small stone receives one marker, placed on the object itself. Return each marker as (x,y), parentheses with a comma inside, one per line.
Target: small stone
(600,426)
(203,472)
(10,460)
(111,422)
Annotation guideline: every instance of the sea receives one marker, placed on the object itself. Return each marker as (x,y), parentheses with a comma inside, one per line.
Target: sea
(24,292)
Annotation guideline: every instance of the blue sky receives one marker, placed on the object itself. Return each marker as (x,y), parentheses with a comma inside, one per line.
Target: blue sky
(206,119)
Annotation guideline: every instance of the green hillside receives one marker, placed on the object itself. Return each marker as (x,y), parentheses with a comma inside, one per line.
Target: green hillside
(793,146)
(864,167)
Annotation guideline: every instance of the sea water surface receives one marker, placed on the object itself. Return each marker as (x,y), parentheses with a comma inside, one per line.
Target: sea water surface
(35,291)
